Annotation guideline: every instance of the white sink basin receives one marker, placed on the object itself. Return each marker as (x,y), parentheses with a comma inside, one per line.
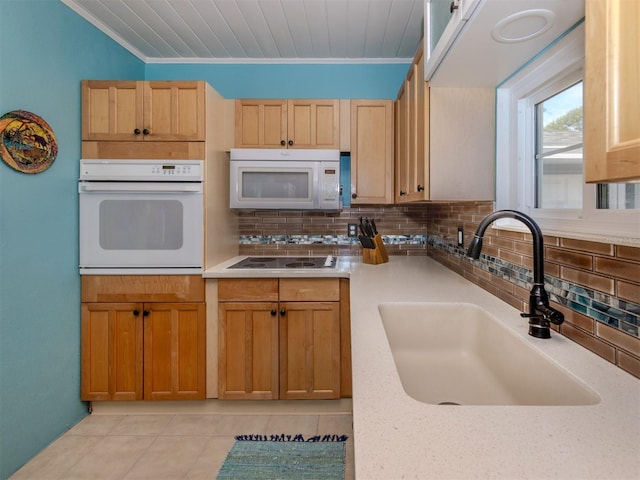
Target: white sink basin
(457,353)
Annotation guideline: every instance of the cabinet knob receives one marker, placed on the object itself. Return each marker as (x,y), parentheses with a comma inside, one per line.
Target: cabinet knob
(402,193)
(283,143)
(145,313)
(354,195)
(136,131)
(453,7)
(420,188)
(274,313)
(290,142)
(282,312)
(146,131)
(136,313)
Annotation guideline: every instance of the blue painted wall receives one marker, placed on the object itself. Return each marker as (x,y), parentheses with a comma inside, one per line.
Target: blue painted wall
(290,81)
(45,50)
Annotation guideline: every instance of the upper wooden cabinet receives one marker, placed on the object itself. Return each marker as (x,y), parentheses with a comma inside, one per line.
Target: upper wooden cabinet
(445,141)
(372,151)
(611,93)
(412,135)
(143,111)
(294,123)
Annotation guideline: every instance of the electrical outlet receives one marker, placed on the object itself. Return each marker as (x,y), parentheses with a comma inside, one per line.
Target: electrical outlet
(460,236)
(352,230)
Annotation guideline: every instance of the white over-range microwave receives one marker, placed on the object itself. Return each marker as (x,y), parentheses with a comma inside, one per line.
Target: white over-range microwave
(295,179)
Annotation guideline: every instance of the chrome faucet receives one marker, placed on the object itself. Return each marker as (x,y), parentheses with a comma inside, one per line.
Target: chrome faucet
(540,314)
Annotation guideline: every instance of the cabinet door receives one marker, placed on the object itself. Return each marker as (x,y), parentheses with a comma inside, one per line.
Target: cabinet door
(112,110)
(418,184)
(401,113)
(412,182)
(111,342)
(611,94)
(261,123)
(313,124)
(372,151)
(174,111)
(248,350)
(174,351)
(309,350)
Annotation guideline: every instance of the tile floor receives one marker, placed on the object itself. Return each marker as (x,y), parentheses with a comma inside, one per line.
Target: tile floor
(171,445)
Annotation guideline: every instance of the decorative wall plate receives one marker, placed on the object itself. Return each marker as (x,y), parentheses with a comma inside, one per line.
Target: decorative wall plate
(27,142)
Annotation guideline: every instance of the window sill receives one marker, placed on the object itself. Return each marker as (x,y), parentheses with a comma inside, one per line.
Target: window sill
(515,226)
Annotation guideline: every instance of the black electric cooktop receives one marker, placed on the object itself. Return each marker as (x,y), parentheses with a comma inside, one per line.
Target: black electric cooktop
(286,262)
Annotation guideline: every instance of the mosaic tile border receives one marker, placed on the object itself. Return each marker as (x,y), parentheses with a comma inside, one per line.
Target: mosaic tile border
(327,240)
(602,307)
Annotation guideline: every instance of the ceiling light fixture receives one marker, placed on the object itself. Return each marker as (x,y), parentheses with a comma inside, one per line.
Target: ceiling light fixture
(523,26)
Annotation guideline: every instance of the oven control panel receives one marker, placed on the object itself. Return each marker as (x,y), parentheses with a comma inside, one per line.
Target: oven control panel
(141,170)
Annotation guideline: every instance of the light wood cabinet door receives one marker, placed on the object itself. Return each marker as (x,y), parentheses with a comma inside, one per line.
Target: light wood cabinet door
(401,113)
(412,136)
(313,124)
(174,111)
(174,351)
(261,123)
(280,123)
(127,111)
(372,148)
(611,93)
(112,110)
(112,351)
(248,350)
(309,350)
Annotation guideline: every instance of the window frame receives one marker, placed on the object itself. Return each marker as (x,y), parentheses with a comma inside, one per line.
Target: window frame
(561,64)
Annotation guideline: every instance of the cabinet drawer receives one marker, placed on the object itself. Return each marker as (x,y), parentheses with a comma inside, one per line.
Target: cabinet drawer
(248,289)
(309,289)
(142,288)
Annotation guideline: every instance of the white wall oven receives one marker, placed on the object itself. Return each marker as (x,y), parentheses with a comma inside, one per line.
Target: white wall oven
(141,217)
(296,179)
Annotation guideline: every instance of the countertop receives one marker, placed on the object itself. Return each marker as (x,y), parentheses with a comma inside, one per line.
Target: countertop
(397,437)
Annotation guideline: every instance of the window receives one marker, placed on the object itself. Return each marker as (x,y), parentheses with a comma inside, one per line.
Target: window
(539,157)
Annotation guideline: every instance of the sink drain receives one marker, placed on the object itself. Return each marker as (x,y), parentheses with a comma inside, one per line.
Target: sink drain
(448,403)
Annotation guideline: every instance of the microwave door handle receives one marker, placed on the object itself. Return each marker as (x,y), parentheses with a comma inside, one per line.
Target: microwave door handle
(138,187)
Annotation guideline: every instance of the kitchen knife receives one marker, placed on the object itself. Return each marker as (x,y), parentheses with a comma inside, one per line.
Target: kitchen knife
(366,242)
(373,226)
(367,228)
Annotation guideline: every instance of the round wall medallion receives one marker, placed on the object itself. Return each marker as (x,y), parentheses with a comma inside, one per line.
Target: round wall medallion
(27,142)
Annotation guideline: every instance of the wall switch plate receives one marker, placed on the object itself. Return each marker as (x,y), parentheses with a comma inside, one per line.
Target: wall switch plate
(460,236)
(352,230)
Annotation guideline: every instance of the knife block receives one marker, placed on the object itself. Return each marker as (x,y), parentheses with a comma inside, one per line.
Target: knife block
(377,255)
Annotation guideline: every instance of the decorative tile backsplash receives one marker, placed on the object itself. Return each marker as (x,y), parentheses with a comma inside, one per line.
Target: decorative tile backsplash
(595,285)
(327,240)
(621,314)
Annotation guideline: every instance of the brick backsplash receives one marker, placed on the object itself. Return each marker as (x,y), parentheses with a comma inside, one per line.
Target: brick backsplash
(288,232)
(596,285)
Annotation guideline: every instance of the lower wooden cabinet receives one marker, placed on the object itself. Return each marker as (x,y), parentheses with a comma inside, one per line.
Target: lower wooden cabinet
(280,338)
(142,350)
(309,350)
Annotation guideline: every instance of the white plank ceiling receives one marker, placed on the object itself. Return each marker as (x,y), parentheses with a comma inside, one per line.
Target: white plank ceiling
(260,31)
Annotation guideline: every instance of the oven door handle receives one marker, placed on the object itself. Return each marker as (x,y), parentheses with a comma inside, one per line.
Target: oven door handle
(130,187)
